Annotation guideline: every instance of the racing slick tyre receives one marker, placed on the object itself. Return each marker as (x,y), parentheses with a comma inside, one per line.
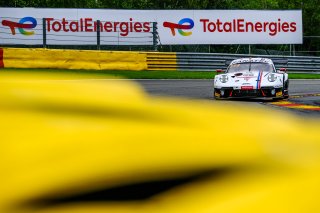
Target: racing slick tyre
(286,90)
(216,95)
(216,98)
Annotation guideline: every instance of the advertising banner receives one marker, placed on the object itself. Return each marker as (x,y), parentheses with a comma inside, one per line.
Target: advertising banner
(134,27)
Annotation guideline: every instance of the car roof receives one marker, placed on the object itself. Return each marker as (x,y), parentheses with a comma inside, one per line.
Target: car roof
(254,60)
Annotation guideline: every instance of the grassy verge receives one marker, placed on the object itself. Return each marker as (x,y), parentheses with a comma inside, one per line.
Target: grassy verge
(303,76)
(143,74)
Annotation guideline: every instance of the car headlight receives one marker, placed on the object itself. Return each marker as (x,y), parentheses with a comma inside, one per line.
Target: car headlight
(223,78)
(272,77)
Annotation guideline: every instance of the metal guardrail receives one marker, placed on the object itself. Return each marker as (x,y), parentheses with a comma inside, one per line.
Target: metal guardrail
(213,61)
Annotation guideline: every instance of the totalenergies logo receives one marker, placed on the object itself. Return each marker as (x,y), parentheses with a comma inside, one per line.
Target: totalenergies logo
(184,24)
(24,23)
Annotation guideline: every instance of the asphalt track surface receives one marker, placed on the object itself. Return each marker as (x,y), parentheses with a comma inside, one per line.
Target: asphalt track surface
(304,94)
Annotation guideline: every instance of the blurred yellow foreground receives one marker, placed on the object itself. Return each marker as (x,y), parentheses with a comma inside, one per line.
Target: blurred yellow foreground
(61,139)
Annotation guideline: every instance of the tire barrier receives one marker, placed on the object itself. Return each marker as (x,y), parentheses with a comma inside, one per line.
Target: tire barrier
(127,60)
(92,146)
(73,59)
(162,61)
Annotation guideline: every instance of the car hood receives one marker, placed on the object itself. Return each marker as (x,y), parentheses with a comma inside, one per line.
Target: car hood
(249,77)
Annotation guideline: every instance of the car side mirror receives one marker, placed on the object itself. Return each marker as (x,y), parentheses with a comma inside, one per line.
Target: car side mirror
(283,69)
(219,70)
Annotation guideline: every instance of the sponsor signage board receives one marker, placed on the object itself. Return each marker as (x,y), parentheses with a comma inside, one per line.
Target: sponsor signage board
(123,27)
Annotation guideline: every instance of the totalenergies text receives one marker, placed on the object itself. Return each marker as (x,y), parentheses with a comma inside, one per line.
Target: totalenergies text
(241,25)
(88,25)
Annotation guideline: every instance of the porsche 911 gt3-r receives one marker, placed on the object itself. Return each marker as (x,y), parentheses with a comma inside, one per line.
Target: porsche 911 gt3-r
(251,78)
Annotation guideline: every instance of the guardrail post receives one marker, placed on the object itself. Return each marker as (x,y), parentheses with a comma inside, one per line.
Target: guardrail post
(155,36)
(44,33)
(290,49)
(98,34)
(293,50)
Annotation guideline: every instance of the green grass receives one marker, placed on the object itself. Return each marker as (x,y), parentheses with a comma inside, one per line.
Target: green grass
(141,74)
(303,76)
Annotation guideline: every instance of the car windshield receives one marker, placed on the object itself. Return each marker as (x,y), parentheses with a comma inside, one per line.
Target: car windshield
(254,67)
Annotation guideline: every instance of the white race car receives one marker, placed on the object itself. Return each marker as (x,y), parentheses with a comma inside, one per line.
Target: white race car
(251,78)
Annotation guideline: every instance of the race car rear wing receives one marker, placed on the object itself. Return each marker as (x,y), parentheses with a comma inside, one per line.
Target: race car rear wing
(275,61)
